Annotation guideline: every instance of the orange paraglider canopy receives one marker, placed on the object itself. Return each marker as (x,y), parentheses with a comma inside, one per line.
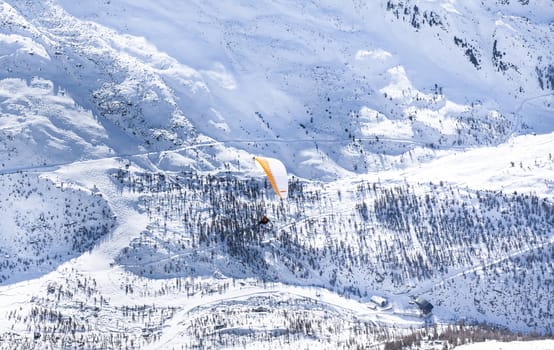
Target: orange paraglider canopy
(276,174)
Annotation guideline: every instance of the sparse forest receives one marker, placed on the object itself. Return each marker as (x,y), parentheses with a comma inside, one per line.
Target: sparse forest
(378,238)
(46,224)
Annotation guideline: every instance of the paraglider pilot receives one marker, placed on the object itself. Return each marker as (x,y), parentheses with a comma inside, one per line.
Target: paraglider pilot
(264,220)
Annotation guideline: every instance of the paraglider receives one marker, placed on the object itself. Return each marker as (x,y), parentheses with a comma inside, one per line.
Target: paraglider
(277,175)
(264,220)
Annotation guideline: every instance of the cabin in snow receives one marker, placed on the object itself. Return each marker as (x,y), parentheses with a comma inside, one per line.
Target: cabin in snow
(379,301)
(425,306)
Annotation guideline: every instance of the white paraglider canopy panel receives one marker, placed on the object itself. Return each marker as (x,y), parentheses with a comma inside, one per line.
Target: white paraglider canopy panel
(276,174)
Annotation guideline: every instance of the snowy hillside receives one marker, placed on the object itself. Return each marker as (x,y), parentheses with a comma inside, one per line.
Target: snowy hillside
(45,224)
(352,85)
(418,136)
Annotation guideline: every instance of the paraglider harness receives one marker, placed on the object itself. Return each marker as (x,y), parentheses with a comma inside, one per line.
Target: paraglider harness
(264,220)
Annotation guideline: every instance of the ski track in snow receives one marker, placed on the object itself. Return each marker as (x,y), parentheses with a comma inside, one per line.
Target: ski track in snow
(481,267)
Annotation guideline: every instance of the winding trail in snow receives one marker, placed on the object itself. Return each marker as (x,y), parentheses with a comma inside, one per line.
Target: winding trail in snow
(517,113)
(481,267)
(160,153)
(321,296)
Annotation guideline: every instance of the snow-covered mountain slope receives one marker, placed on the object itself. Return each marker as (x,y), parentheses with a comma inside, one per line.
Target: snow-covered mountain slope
(45,224)
(418,135)
(43,126)
(348,83)
(367,239)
